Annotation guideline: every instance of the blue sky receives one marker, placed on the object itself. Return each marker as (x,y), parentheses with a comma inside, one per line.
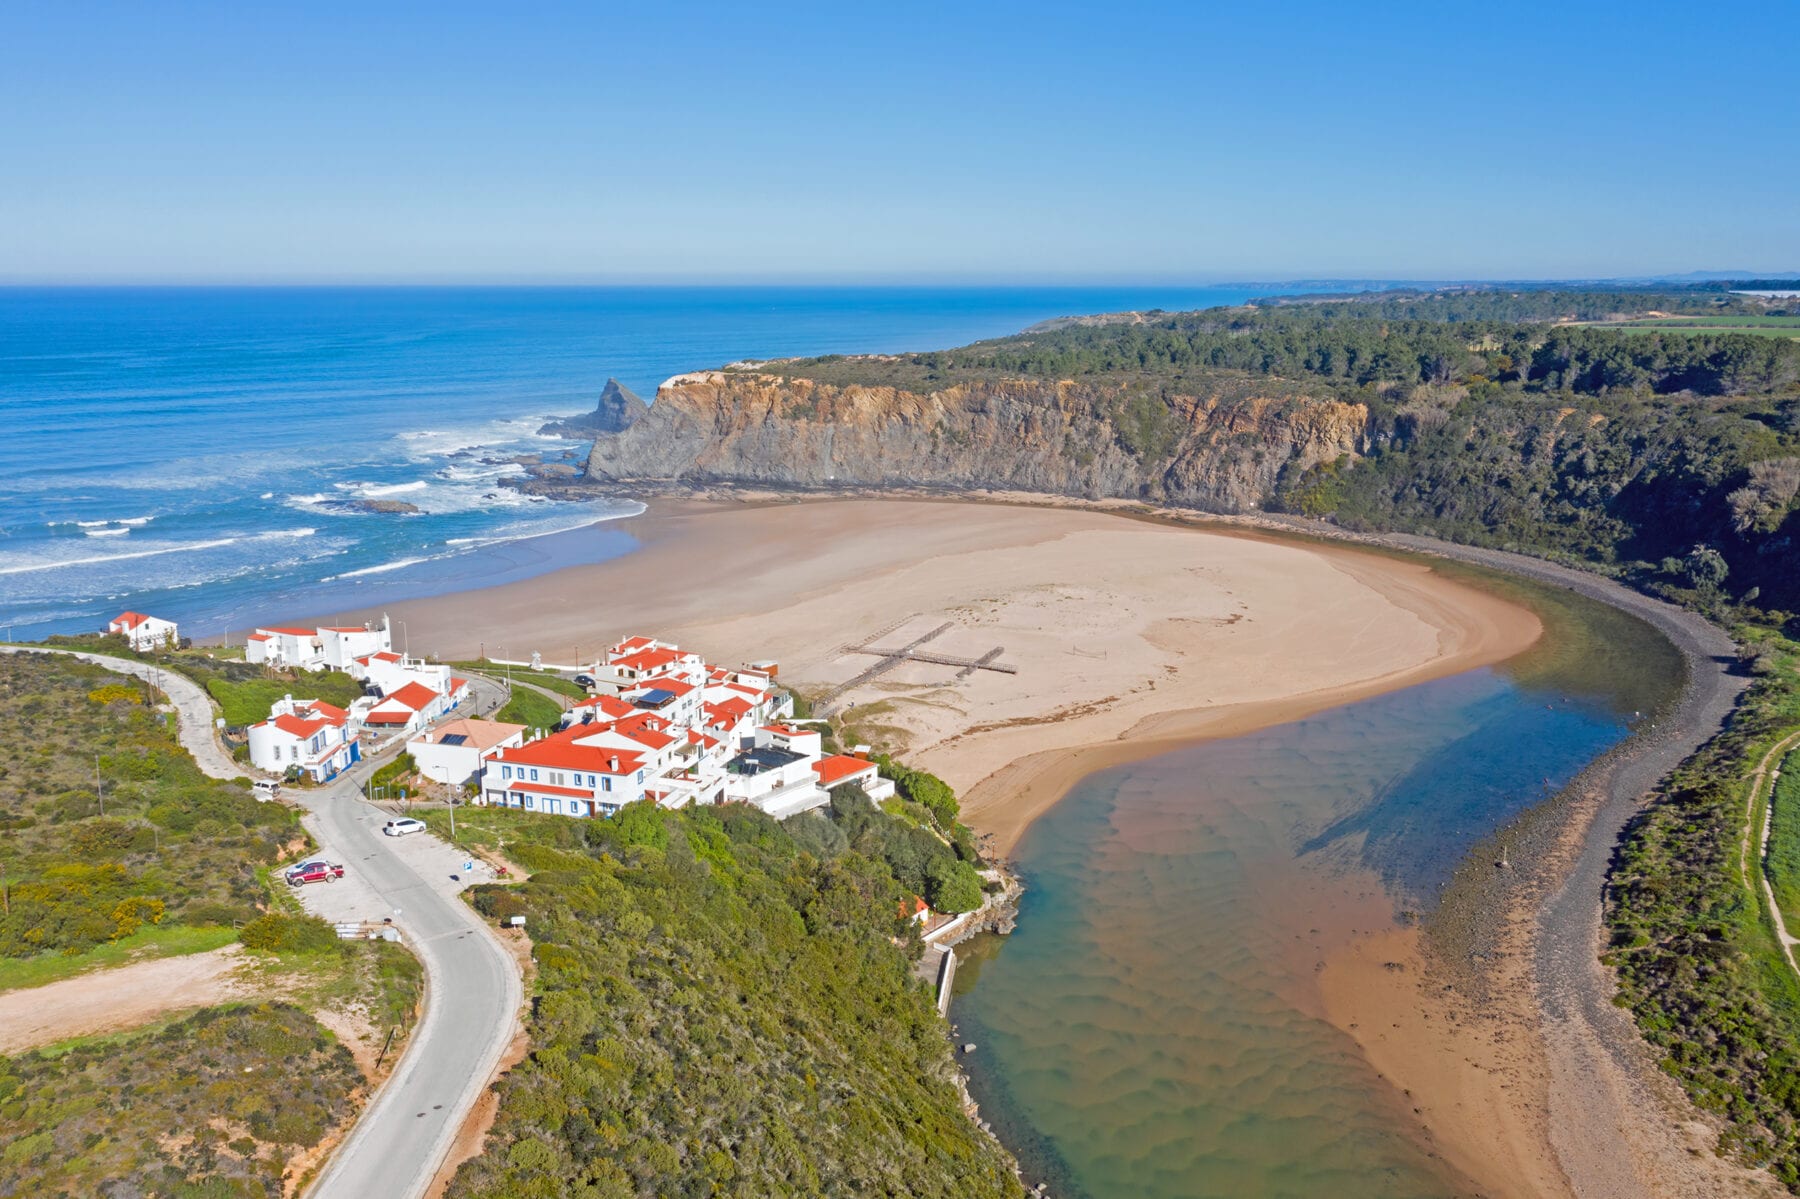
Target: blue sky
(922,142)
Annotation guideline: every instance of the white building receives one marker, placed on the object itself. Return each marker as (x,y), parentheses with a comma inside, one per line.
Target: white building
(841,769)
(453,752)
(327,647)
(287,648)
(340,646)
(414,706)
(667,727)
(305,735)
(562,777)
(144,633)
(388,672)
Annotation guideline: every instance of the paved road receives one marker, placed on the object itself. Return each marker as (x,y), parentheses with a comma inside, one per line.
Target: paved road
(473,992)
(473,996)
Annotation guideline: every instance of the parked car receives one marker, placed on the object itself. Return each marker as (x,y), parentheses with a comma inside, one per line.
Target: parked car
(316,871)
(265,790)
(403,826)
(584,680)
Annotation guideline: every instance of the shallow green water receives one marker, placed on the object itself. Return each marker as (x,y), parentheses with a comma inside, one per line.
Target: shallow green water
(1152,1029)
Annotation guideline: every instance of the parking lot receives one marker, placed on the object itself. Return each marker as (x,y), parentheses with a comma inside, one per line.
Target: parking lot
(353,897)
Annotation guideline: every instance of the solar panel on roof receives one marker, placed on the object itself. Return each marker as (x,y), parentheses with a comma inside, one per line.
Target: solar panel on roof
(454,739)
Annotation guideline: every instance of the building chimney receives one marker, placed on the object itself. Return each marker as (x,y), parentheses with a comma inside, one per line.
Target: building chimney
(613,763)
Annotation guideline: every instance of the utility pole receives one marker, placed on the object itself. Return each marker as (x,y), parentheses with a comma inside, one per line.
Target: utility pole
(98,793)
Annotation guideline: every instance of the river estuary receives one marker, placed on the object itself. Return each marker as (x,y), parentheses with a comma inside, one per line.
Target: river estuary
(1154,1028)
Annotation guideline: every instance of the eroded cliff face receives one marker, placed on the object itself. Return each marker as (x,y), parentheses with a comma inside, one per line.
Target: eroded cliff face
(1221,451)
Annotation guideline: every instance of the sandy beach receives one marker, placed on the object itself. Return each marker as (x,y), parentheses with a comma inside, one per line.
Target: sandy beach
(1127,636)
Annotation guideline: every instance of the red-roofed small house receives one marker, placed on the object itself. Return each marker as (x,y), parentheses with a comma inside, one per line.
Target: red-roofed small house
(144,633)
(306,735)
(841,769)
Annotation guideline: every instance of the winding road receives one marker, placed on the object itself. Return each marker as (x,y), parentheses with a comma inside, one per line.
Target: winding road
(472,985)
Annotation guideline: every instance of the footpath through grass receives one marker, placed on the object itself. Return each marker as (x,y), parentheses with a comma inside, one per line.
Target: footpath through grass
(543,678)
(1784,841)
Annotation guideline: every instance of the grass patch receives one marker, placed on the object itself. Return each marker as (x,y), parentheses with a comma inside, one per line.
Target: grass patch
(532,709)
(152,941)
(247,701)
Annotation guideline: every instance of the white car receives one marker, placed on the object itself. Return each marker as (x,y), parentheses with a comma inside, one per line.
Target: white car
(403,826)
(265,790)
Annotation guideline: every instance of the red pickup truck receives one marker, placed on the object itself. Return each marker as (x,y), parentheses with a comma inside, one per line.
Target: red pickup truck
(319,871)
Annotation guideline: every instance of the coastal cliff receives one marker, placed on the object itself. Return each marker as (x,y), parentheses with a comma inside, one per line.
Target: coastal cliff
(1222,448)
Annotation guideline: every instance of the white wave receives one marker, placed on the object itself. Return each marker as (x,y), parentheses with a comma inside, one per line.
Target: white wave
(378,490)
(184,547)
(267,495)
(106,532)
(135,522)
(318,497)
(375,570)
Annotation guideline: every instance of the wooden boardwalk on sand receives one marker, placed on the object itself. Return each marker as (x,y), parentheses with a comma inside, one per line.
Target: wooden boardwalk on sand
(910,652)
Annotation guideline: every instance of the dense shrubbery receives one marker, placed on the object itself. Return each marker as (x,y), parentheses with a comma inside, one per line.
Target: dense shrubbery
(212,1107)
(171,845)
(280,932)
(1696,957)
(724,1008)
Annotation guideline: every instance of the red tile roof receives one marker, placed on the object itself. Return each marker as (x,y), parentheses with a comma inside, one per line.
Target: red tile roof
(609,705)
(560,752)
(416,696)
(648,660)
(295,726)
(130,620)
(292,632)
(840,768)
(729,711)
(319,707)
(258,637)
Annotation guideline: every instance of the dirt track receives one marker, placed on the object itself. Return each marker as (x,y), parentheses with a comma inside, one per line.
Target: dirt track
(117,999)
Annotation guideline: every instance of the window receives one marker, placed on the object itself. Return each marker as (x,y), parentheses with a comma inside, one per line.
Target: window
(534,774)
(553,806)
(556,778)
(606,784)
(640,776)
(531,803)
(506,772)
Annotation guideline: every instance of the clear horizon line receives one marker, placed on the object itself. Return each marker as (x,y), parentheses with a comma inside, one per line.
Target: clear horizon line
(866,282)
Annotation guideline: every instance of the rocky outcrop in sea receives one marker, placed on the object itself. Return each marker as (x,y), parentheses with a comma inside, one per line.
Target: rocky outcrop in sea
(619,408)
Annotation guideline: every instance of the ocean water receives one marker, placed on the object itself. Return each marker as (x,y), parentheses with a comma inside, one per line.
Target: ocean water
(195,452)
(1154,1030)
